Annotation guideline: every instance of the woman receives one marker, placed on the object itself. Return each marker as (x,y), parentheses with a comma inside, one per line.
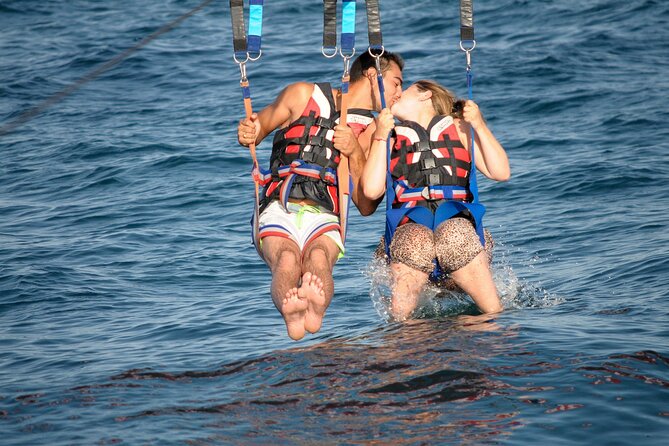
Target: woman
(435,226)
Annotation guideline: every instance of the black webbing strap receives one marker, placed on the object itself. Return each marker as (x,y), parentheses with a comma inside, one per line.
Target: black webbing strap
(374,25)
(238,29)
(466,20)
(329,24)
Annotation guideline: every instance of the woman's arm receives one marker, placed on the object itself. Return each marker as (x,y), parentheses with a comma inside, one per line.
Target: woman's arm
(373,179)
(491,159)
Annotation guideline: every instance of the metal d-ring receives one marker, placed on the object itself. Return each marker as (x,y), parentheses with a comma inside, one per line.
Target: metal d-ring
(466,50)
(253,59)
(234,56)
(329,56)
(347,56)
(376,56)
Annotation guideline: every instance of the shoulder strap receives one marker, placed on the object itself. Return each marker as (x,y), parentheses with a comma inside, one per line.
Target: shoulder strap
(326,89)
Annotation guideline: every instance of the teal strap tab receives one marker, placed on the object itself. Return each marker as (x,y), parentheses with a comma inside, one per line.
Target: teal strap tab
(255,20)
(348,26)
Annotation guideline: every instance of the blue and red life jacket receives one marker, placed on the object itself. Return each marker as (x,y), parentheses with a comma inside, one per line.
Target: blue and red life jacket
(431,171)
(304,161)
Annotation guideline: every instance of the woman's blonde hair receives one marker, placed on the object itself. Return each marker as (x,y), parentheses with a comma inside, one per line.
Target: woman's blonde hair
(443,101)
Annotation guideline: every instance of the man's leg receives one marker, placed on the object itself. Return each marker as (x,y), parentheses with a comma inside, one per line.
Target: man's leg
(317,287)
(460,252)
(412,252)
(283,257)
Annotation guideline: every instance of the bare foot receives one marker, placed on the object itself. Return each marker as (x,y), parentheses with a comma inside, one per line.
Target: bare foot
(312,290)
(294,308)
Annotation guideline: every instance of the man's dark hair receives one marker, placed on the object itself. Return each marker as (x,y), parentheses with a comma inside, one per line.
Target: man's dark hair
(365,61)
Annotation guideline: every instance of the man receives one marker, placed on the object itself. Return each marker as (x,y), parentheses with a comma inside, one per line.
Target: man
(298,235)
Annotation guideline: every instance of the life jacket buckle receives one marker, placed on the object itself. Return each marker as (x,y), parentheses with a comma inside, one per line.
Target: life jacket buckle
(434,178)
(427,163)
(422,146)
(316,140)
(308,156)
(325,123)
(425,193)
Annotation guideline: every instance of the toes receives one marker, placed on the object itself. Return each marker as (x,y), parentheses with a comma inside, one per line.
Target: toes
(306,278)
(312,280)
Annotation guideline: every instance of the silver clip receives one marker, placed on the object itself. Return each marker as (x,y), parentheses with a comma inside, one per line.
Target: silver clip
(242,69)
(347,63)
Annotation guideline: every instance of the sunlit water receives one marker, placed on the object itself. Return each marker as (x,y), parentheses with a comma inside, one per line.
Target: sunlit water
(134,309)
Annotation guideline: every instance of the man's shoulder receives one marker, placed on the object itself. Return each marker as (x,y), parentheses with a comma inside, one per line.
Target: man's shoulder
(301,88)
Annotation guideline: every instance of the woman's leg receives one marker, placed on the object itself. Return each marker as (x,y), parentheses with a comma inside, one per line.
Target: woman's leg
(411,253)
(460,253)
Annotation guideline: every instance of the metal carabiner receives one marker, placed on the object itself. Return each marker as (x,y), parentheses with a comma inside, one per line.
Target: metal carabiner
(242,69)
(347,62)
(468,52)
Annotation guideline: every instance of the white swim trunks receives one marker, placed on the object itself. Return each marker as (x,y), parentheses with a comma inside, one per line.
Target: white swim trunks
(301,223)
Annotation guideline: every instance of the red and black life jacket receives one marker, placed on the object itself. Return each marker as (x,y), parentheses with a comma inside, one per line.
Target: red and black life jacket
(429,166)
(304,161)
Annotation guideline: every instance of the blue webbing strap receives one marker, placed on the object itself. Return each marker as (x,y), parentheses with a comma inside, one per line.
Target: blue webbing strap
(376,50)
(255,27)
(246,47)
(473,187)
(467,44)
(346,51)
(347,42)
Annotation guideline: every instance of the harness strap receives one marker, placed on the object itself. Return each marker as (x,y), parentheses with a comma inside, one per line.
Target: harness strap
(346,50)
(374,25)
(255,28)
(329,27)
(466,20)
(246,46)
(245,49)
(239,40)
(300,167)
(467,38)
(347,42)
(405,194)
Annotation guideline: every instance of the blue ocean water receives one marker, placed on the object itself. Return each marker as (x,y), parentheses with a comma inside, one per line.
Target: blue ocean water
(134,309)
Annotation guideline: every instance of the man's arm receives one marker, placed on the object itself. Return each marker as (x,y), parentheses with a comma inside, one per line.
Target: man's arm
(277,114)
(355,148)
